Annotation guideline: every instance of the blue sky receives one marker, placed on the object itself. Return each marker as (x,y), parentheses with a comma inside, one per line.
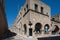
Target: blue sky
(12,8)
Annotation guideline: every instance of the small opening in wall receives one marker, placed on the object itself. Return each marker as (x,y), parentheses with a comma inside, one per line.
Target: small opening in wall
(53,19)
(36,7)
(42,10)
(24,9)
(27,6)
(25,28)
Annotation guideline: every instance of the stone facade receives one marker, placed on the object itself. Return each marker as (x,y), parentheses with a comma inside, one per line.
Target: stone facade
(3,21)
(34,20)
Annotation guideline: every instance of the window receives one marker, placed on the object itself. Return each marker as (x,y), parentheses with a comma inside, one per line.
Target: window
(53,19)
(27,6)
(38,27)
(36,7)
(55,30)
(42,10)
(25,29)
(26,9)
(46,28)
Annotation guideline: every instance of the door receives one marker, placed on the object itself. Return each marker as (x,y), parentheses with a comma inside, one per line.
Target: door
(30,31)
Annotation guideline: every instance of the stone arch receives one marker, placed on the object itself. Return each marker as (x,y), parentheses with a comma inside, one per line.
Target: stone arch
(46,28)
(56,29)
(38,27)
(25,28)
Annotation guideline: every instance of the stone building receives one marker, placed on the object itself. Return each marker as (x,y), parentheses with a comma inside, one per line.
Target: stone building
(34,20)
(3,21)
(55,22)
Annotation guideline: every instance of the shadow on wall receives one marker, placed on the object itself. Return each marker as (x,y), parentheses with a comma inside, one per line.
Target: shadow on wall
(8,34)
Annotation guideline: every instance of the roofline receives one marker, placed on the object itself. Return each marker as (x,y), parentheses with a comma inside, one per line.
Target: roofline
(36,12)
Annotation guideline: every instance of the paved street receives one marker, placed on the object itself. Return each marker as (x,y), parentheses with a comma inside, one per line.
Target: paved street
(17,37)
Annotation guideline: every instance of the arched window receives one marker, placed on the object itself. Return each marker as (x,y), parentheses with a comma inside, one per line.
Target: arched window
(25,28)
(38,27)
(46,28)
(36,7)
(55,30)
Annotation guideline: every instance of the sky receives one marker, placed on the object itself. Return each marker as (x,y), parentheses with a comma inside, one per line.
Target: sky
(12,8)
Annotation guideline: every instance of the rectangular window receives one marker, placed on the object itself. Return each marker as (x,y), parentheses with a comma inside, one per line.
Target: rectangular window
(42,10)
(36,7)
(27,6)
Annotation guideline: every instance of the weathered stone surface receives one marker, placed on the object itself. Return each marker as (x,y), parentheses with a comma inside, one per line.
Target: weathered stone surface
(32,22)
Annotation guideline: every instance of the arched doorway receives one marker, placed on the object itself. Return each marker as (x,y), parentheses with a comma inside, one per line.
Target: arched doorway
(38,27)
(46,28)
(55,30)
(25,28)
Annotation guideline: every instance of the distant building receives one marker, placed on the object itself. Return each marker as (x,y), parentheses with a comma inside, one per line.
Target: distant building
(34,20)
(56,17)
(3,21)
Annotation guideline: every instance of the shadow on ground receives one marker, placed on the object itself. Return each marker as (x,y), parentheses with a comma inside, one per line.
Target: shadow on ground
(8,34)
(50,38)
